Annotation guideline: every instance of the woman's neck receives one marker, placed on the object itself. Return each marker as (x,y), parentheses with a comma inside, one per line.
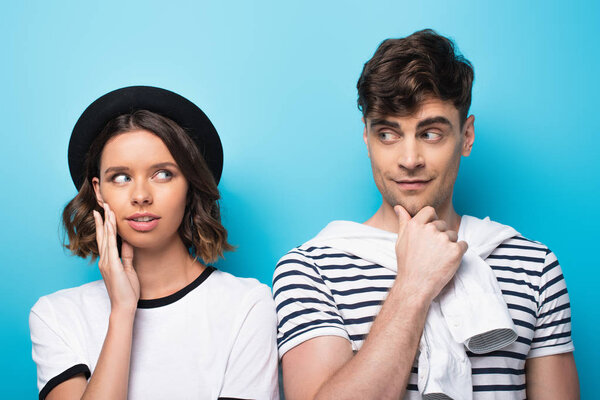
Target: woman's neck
(164,271)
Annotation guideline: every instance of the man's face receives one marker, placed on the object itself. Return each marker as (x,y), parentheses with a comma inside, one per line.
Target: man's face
(415,158)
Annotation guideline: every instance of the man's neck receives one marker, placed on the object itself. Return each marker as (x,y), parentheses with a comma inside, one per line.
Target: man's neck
(386,219)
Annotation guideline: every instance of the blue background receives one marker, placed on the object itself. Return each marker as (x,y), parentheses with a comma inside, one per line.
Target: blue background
(278,81)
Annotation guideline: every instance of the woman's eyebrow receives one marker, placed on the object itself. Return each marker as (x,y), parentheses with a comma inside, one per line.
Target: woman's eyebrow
(115,169)
(164,164)
(153,166)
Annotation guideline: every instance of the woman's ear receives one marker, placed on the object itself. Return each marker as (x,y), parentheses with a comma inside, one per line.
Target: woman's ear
(96,185)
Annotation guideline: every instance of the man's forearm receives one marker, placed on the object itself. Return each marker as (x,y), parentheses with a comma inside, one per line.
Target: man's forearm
(381,369)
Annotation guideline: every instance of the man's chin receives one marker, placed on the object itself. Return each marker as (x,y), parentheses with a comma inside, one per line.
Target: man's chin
(413,209)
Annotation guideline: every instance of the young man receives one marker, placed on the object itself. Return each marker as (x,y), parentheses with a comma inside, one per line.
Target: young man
(355,325)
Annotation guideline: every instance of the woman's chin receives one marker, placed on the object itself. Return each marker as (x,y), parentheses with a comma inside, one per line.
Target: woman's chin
(142,241)
(149,240)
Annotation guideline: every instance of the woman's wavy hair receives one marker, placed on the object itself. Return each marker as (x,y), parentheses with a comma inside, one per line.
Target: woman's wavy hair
(404,72)
(201,229)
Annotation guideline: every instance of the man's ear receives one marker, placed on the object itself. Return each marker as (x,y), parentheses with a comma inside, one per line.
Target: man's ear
(96,185)
(365,136)
(468,135)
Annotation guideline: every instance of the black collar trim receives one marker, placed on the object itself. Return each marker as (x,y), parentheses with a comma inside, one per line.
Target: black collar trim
(178,295)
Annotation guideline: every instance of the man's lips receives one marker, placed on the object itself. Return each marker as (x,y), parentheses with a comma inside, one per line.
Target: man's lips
(143,222)
(412,184)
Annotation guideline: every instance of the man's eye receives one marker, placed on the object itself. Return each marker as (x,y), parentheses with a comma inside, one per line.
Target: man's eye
(431,136)
(121,178)
(386,136)
(163,175)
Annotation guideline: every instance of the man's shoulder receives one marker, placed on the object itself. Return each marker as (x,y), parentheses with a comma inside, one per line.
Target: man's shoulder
(523,257)
(521,247)
(507,242)
(314,257)
(520,242)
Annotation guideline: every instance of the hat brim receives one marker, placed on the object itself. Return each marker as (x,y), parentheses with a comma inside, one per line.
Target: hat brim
(130,99)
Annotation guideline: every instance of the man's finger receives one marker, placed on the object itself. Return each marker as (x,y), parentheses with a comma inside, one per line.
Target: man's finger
(440,225)
(452,235)
(425,215)
(463,246)
(403,215)
(403,218)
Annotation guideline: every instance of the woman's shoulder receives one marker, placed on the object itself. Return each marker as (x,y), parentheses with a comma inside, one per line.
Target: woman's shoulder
(89,296)
(238,289)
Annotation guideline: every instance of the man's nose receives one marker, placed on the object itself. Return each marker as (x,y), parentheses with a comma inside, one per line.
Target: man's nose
(410,156)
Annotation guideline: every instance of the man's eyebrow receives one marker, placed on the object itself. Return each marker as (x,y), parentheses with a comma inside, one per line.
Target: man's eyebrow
(434,120)
(385,122)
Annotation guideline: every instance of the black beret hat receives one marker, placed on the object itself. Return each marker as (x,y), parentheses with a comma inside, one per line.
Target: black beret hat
(160,101)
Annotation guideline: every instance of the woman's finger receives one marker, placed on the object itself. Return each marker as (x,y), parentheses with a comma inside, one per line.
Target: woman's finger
(106,233)
(113,219)
(127,255)
(111,248)
(99,229)
(113,227)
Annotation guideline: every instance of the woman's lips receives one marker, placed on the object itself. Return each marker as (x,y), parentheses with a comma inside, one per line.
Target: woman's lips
(143,226)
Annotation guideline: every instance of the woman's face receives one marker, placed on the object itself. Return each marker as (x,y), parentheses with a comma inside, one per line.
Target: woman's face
(142,184)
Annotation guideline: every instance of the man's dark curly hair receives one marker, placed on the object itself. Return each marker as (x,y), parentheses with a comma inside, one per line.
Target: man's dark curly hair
(404,72)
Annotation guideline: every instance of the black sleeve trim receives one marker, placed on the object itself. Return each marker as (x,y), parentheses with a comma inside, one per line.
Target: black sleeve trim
(64,376)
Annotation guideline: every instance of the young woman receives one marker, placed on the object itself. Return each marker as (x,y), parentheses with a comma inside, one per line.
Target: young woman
(162,323)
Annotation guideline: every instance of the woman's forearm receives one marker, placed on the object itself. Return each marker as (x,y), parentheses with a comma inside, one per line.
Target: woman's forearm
(111,376)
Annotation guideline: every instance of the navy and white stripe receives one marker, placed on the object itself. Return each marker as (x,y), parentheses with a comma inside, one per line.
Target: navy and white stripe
(322,291)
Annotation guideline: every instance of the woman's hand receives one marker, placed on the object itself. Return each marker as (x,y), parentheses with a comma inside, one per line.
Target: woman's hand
(119,276)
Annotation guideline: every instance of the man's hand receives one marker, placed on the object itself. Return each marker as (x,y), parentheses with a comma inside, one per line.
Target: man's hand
(428,254)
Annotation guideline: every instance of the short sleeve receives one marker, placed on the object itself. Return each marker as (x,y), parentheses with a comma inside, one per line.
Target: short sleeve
(552,333)
(56,359)
(251,371)
(305,306)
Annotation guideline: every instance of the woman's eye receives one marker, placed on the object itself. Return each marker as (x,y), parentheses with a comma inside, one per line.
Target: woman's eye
(163,175)
(121,178)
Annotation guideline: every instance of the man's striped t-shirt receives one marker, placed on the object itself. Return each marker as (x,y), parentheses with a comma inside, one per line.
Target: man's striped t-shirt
(321,291)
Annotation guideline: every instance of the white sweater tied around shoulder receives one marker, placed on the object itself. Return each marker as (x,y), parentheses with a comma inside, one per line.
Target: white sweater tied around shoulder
(470,312)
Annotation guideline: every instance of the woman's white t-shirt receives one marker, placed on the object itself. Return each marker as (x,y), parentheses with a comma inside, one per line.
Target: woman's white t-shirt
(215,338)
